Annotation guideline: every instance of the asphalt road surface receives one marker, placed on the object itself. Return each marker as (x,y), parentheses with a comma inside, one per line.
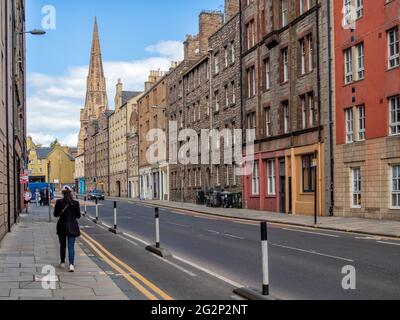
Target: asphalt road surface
(212,255)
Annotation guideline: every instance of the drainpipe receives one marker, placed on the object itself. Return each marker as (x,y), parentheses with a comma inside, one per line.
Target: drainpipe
(16,180)
(330,106)
(244,178)
(319,106)
(7,120)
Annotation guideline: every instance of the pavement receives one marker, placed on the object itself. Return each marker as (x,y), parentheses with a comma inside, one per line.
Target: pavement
(383,228)
(31,248)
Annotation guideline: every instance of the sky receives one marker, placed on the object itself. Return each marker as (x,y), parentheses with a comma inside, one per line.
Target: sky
(135,36)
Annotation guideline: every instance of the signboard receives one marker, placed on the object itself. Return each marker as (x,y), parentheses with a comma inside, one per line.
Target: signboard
(23,179)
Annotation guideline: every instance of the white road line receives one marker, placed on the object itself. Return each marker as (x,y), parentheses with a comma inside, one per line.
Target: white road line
(176,266)
(391,243)
(105,224)
(130,241)
(225,234)
(311,252)
(135,238)
(196,266)
(179,225)
(310,232)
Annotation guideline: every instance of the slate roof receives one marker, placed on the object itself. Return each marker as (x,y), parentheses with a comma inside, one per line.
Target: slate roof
(128,95)
(43,152)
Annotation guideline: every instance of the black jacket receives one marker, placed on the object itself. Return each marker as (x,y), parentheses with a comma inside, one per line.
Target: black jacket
(68,223)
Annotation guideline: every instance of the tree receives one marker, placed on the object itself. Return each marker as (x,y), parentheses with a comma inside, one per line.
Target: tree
(54,143)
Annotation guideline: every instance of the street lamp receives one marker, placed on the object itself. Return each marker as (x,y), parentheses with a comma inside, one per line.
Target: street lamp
(35,32)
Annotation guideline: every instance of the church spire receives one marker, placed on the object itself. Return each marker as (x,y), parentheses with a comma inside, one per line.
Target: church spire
(96,100)
(96,91)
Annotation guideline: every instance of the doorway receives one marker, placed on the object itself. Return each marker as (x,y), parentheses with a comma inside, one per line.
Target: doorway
(282,186)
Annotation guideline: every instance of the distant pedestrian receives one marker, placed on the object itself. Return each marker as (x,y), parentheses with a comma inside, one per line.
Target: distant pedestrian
(68,211)
(27,199)
(37,198)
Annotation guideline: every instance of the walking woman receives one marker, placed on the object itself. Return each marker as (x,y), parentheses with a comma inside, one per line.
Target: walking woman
(68,211)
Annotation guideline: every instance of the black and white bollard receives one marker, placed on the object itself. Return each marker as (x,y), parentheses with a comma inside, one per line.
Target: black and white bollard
(114,230)
(157,248)
(253,294)
(85,213)
(265,264)
(96,220)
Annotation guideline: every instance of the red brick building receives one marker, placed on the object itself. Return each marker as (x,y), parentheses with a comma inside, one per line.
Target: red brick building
(367,158)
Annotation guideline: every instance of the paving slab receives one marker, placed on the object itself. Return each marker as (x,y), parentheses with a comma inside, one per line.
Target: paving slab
(32,245)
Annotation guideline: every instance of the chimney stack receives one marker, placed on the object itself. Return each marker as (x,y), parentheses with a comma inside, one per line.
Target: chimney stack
(192,47)
(231,9)
(209,23)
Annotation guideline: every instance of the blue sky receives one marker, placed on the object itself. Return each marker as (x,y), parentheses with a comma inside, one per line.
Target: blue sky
(135,36)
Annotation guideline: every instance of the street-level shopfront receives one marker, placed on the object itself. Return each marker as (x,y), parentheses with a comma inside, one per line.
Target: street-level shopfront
(287,181)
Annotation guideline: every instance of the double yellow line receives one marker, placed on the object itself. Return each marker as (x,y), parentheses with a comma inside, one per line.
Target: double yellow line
(144,286)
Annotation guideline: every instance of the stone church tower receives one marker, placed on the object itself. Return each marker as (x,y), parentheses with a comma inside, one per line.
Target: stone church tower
(96,93)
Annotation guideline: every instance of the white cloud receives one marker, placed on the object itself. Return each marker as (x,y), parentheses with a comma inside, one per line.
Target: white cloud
(170,49)
(54,102)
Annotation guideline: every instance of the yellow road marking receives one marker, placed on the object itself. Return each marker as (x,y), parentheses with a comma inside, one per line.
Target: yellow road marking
(131,271)
(137,285)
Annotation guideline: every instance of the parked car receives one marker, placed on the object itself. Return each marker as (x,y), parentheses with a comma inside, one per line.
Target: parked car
(96,194)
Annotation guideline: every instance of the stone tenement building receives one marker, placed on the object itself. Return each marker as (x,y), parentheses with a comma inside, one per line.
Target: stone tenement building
(189,105)
(93,136)
(151,106)
(13,111)
(118,142)
(285,99)
(226,98)
(367,158)
(133,146)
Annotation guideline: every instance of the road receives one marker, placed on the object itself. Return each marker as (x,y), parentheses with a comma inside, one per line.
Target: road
(304,263)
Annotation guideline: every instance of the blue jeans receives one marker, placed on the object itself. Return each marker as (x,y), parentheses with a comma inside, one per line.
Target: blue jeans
(71,248)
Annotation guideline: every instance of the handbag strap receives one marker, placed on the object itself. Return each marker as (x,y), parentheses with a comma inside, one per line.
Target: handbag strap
(64,209)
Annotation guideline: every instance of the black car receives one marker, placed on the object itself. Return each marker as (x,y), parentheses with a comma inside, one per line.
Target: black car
(96,194)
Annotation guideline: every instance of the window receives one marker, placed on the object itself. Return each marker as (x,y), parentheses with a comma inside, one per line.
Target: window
(250,34)
(393,48)
(347,12)
(216,63)
(271,177)
(361,123)
(285,106)
(190,178)
(233,58)
(348,62)
(394,104)
(308,173)
(267,75)
(303,56)
(303,111)
(356,187)
(395,201)
(255,185)
(349,126)
(304,6)
(268,128)
(285,62)
(233,93)
(216,99)
(226,175)
(360,62)
(310,53)
(234,174)
(312,108)
(226,55)
(217,172)
(251,82)
(251,120)
(226,96)
(284,11)
(359,8)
